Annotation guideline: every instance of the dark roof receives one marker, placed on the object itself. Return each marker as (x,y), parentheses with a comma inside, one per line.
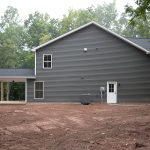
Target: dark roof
(22,73)
(143,42)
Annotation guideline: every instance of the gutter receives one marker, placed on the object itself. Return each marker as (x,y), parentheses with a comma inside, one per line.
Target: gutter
(18,77)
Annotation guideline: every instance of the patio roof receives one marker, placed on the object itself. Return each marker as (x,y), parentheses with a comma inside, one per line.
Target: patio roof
(17,73)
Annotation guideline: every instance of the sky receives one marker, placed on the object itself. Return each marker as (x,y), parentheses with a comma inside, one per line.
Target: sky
(55,8)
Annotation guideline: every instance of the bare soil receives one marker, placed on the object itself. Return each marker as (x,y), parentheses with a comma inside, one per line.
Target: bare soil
(75,127)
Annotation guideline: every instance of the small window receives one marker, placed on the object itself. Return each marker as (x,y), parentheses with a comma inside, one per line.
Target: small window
(111,87)
(47,61)
(39,90)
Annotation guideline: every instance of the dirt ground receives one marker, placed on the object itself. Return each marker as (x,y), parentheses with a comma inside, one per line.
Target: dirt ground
(75,127)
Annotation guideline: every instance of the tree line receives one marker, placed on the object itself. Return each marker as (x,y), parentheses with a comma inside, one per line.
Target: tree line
(18,37)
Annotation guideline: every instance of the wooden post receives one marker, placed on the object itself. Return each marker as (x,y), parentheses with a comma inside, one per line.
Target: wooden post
(26,90)
(2,91)
(7,91)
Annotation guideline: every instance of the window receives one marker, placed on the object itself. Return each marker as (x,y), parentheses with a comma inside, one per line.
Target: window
(39,89)
(47,61)
(111,87)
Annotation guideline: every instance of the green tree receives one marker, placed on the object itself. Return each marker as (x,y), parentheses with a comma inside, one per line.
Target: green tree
(39,29)
(140,29)
(74,19)
(10,18)
(26,59)
(137,21)
(11,38)
(140,12)
(106,15)
(12,42)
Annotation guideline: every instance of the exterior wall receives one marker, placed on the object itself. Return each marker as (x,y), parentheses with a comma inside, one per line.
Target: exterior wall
(76,72)
(30,90)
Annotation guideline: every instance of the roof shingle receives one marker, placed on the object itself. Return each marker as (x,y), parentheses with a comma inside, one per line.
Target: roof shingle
(143,42)
(26,73)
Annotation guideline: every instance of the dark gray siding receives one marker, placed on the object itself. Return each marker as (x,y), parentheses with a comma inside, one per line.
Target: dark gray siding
(30,90)
(77,72)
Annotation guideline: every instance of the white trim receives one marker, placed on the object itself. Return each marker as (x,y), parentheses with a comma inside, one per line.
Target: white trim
(20,77)
(26,91)
(115,34)
(35,64)
(34,89)
(49,61)
(2,90)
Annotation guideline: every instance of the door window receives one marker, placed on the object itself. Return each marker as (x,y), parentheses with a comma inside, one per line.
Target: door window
(111,88)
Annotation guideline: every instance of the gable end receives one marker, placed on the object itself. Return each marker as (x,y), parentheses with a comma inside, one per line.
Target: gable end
(86,25)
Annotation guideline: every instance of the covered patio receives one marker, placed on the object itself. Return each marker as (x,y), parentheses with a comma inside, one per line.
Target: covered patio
(13,85)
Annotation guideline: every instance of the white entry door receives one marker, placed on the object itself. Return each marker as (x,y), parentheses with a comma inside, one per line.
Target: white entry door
(111,92)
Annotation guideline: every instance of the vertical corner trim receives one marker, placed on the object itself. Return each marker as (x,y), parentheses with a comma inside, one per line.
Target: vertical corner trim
(35,64)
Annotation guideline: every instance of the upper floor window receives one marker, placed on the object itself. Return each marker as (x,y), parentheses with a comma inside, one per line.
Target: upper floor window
(47,61)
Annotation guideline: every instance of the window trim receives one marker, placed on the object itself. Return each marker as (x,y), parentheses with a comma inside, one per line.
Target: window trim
(51,61)
(35,91)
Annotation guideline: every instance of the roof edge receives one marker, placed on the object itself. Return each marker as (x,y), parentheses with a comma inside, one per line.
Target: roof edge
(18,77)
(61,36)
(122,38)
(86,25)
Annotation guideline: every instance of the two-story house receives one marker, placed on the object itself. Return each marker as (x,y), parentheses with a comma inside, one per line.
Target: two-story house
(90,59)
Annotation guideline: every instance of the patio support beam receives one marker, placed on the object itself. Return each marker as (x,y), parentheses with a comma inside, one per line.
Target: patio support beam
(2,91)
(7,91)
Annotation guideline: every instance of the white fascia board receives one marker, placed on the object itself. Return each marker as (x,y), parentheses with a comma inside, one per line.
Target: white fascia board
(35,63)
(18,77)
